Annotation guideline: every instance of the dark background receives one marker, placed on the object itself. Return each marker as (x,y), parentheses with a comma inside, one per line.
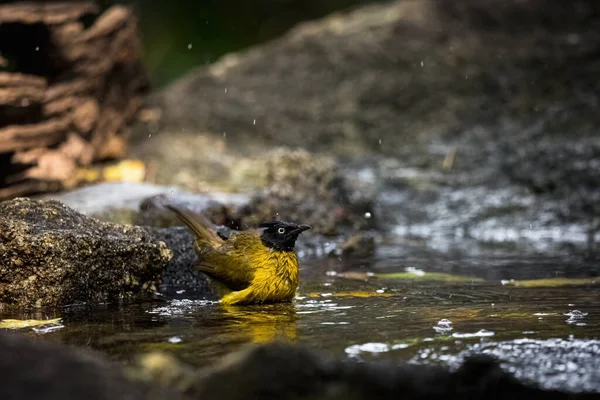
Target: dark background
(216,27)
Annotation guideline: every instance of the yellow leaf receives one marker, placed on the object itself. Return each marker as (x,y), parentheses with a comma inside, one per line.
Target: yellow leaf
(26,323)
(428,276)
(554,282)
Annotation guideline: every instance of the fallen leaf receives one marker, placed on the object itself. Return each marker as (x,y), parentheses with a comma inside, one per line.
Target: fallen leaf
(26,323)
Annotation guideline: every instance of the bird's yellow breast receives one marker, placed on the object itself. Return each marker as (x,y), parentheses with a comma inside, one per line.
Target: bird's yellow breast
(275,275)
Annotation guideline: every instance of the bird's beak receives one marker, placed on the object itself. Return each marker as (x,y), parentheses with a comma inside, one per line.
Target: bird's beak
(302,228)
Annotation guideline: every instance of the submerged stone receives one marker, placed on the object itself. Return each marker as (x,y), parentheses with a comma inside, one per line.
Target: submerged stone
(51,255)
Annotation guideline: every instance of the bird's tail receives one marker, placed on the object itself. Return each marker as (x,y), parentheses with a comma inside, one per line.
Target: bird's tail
(199,224)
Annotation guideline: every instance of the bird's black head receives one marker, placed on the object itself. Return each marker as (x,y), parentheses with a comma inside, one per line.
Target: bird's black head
(281,235)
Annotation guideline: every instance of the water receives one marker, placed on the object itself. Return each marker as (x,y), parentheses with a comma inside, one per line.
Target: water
(346,309)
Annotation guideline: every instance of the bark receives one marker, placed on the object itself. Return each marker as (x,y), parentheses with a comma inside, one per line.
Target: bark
(68,91)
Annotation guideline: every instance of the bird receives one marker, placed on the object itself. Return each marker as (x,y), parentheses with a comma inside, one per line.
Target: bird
(254,267)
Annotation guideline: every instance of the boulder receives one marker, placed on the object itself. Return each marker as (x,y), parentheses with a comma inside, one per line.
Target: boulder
(51,255)
(385,77)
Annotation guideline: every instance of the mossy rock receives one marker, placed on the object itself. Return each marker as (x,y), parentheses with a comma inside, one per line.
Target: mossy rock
(51,255)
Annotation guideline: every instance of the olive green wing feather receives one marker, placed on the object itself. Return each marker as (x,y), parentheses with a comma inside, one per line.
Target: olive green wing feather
(227,264)
(199,224)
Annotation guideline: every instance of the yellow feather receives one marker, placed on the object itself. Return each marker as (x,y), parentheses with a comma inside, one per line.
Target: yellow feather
(251,271)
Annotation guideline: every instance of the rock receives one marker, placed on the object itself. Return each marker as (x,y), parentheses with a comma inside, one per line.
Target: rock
(36,370)
(51,255)
(382,77)
(285,371)
(179,279)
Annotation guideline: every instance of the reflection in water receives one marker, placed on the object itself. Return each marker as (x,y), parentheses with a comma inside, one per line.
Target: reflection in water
(265,323)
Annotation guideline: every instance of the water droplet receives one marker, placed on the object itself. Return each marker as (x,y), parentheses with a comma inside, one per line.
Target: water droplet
(575,317)
(225,90)
(444,325)
(480,333)
(47,329)
(422,63)
(189,46)
(37,49)
(367,347)
(224,134)
(413,270)
(254,122)
(367,215)
(149,135)
(175,339)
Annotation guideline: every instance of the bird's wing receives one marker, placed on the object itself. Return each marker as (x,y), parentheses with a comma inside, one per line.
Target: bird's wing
(227,264)
(233,283)
(200,225)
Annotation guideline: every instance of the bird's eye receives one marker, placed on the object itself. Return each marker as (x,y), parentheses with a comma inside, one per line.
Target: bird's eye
(281,231)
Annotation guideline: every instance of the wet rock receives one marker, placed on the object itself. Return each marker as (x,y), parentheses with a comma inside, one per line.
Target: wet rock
(36,370)
(179,279)
(571,365)
(51,255)
(285,371)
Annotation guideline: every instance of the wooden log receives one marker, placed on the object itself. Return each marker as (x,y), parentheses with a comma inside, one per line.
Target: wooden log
(48,13)
(73,108)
